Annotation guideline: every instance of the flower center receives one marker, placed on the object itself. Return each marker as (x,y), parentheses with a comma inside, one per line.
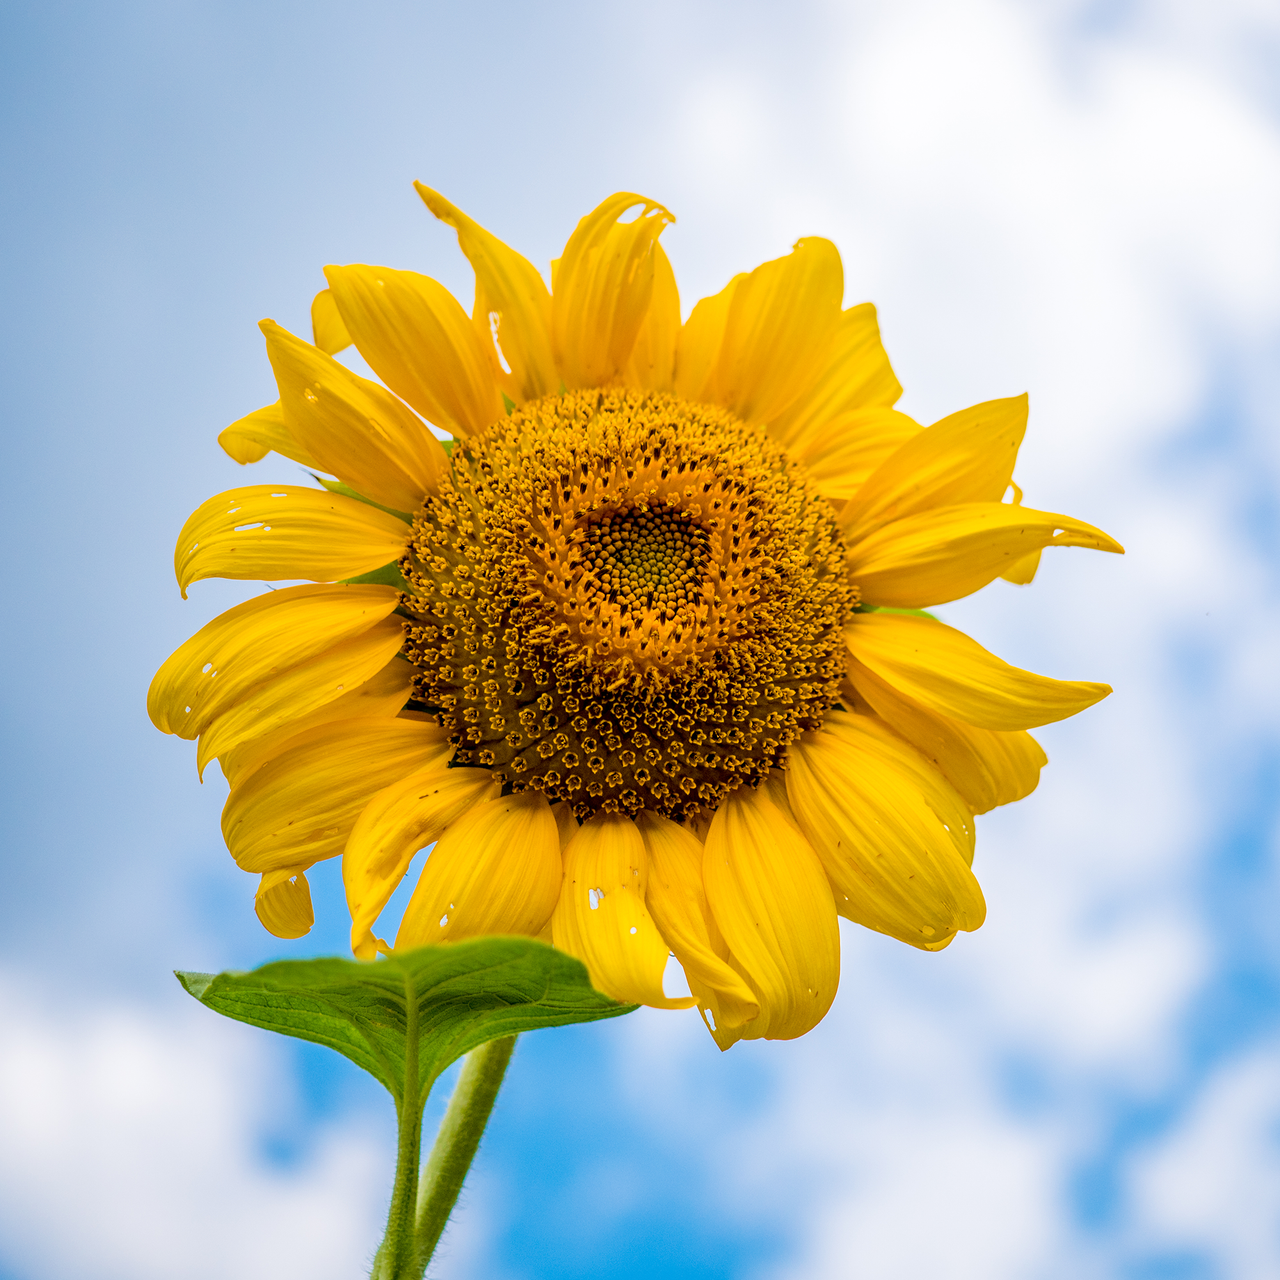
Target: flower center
(625,601)
(641,559)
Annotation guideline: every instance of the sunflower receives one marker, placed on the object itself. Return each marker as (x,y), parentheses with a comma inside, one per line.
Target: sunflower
(640,648)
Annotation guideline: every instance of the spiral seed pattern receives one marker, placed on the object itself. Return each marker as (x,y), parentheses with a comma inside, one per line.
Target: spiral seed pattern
(647,560)
(625,601)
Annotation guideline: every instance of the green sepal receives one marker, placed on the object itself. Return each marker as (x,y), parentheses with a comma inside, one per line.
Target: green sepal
(388,575)
(337,486)
(508,404)
(886,608)
(465,993)
(447,446)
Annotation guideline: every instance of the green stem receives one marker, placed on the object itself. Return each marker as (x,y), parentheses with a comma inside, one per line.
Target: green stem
(456,1143)
(397,1255)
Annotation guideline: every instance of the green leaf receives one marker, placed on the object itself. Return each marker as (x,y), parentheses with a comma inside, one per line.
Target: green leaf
(508,404)
(455,996)
(388,575)
(338,486)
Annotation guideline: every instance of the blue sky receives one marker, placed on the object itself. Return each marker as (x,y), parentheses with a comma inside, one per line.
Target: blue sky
(1078,200)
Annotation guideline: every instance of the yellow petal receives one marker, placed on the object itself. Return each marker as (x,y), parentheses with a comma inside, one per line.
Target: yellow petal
(678,904)
(327,329)
(856,375)
(986,767)
(283,903)
(566,823)
(300,807)
(298,691)
(698,345)
(513,288)
(353,428)
(871,734)
(849,448)
(772,902)
(1021,572)
(601,917)
(775,787)
(652,363)
(1014,761)
(417,338)
(382,695)
(251,438)
(967,457)
(950,552)
(253,641)
(779,331)
(603,284)
(862,797)
(405,816)
(269,532)
(495,870)
(945,671)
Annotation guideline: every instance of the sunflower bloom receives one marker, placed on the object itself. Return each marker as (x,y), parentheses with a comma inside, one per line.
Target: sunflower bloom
(641,651)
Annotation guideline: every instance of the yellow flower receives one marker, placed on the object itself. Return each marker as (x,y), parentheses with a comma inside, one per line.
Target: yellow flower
(659,562)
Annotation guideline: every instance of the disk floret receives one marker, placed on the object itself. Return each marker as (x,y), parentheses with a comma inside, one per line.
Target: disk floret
(626,601)
(641,559)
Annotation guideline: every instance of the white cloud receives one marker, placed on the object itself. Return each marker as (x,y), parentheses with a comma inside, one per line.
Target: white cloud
(1090,214)
(725,122)
(132,1150)
(1035,203)
(884,1154)
(1213,1185)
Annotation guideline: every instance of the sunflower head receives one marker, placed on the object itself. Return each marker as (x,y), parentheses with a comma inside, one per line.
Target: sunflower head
(641,655)
(625,601)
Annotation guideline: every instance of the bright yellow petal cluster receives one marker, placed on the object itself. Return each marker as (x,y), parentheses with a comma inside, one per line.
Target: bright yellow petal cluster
(310,699)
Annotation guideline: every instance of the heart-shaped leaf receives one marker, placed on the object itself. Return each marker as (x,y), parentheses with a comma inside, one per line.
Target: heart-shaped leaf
(415,1010)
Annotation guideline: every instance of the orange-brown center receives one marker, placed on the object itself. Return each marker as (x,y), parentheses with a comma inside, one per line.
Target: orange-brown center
(625,601)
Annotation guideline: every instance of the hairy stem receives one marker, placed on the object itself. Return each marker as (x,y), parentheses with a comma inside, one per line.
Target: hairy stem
(397,1257)
(456,1143)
